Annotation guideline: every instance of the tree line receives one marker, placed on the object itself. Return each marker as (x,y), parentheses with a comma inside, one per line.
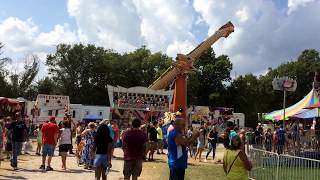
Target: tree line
(83,71)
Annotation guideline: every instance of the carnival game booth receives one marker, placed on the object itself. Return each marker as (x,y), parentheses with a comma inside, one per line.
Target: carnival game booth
(8,106)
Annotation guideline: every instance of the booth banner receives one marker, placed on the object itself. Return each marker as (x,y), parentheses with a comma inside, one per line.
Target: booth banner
(52,102)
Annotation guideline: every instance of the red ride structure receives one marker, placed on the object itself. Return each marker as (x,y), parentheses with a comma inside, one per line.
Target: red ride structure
(177,73)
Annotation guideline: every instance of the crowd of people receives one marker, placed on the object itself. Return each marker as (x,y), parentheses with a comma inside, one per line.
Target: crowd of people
(95,143)
(142,101)
(294,137)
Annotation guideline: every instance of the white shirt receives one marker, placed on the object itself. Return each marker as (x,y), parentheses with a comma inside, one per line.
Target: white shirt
(65,136)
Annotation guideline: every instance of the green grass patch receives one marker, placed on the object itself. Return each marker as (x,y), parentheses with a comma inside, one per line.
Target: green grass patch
(196,171)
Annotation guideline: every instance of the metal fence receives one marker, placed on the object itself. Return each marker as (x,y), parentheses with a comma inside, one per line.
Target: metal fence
(272,166)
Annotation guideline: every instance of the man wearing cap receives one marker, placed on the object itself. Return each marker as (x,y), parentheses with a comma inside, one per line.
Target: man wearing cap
(50,132)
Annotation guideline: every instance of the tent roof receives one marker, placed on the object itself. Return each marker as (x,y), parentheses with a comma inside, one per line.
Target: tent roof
(307,114)
(92,117)
(308,100)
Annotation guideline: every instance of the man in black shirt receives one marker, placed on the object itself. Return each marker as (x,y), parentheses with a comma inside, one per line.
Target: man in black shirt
(18,130)
(153,139)
(102,149)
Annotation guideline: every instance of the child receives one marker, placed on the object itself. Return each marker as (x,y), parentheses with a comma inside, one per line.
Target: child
(38,133)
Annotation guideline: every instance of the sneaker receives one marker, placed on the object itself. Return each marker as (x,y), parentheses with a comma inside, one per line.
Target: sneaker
(49,168)
(42,167)
(15,168)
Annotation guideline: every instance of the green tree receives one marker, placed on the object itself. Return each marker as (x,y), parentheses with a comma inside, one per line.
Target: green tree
(46,86)
(4,89)
(84,71)
(206,84)
(20,83)
(251,95)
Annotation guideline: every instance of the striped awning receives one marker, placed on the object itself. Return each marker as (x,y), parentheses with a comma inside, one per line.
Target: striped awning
(310,99)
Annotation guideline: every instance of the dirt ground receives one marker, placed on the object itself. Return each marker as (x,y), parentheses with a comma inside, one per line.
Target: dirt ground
(29,168)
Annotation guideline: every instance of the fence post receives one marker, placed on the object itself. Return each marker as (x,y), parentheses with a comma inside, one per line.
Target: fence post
(278,164)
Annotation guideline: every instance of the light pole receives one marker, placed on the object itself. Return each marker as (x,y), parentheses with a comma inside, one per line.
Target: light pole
(284,107)
(284,84)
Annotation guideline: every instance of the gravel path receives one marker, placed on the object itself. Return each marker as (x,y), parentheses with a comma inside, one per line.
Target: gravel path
(29,169)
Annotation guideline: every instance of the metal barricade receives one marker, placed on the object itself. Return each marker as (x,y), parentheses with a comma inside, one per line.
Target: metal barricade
(265,164)
(296,168)
(272,166)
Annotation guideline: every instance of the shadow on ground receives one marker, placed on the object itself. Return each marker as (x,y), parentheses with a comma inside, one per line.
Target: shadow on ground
(2,177)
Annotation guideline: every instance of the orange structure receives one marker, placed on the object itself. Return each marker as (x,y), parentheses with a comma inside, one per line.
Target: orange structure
(177,73)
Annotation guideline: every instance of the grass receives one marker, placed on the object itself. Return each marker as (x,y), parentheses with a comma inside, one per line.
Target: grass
(286,173)
(159,170)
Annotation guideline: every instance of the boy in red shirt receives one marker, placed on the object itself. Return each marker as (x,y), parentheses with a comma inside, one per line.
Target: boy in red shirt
(50,133)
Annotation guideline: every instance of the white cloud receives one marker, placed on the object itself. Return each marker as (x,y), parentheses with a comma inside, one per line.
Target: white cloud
(265,37)
(295,4)
(23,37)
(179,47)
(17,35)
(164,25)
(60,34)
(111,24)
(242,14)
(128,24)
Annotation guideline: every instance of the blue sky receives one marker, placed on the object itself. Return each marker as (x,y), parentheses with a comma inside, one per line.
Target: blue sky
(268,32)
(46,13)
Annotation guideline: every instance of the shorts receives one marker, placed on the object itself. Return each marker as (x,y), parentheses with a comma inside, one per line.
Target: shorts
(101,160)
(160,143)
(153,145)
(200,145)
(132,168)
(64,147)
(48,150)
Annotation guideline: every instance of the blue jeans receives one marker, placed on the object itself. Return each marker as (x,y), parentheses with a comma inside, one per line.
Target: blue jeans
(16,150)
(212,147)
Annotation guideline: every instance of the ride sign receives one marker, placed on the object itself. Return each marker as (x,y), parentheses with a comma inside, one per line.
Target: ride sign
(284,84)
